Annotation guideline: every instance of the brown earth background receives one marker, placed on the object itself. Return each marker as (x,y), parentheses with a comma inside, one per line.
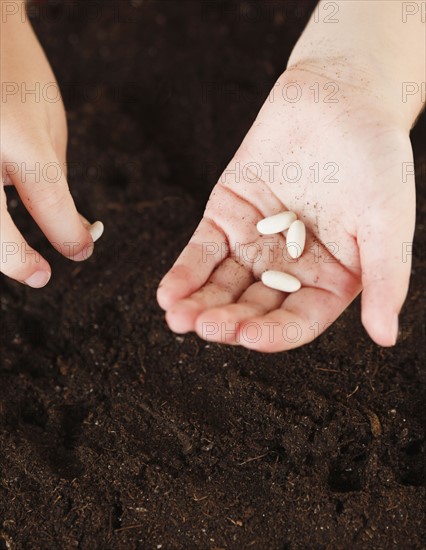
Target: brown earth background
(115,433)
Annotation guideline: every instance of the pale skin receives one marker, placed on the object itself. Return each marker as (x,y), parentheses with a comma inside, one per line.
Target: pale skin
(33,155)
(358,224)
(357,218)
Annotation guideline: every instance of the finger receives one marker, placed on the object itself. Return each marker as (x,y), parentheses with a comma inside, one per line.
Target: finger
(243,178)
(211,244)
(42,186)
(225,286)
(303,316)
(227,324)
(234,214)
(17,259)
(220,324)
(385,249)
(206,249)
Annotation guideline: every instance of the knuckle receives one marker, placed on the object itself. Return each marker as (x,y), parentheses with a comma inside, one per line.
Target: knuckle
(51,197)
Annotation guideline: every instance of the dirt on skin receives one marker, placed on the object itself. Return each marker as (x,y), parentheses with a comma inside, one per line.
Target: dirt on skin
(117,434)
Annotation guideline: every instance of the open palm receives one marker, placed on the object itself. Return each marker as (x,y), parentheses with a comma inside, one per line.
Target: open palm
(327,152)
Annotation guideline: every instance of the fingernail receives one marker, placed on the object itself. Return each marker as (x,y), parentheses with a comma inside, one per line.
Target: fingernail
(39,279)
(84,254)
(395,328)
(96,230)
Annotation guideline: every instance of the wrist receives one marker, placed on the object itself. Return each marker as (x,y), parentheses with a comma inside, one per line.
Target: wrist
(365,82)
(376,46)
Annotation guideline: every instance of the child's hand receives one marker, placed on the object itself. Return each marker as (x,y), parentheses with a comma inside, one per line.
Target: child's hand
(334,155)
(33,156)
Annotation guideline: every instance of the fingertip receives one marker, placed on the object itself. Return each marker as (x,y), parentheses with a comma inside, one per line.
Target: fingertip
(167,297)
(84,254)
(92,233)
(251,335)
(81,250)
(211,326)
(173,287)
(164,297)
(381,326)
(38,279)
(181,317)
(19,261)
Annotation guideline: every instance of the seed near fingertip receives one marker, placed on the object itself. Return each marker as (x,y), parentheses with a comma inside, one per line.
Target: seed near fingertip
(96,230)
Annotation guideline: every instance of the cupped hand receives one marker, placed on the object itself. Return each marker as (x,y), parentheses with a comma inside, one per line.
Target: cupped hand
(332,153)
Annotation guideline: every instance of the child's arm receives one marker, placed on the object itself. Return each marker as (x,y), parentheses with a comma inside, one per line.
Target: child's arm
(379,44)
(33,153)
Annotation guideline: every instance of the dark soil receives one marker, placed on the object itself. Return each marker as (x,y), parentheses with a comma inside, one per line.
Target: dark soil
(117,434)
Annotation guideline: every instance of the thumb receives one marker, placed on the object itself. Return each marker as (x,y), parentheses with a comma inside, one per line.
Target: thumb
(385,243)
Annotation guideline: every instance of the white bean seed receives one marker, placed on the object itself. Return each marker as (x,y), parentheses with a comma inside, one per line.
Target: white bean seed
(296,238)
(280,281)
(276,224)
(96,230)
